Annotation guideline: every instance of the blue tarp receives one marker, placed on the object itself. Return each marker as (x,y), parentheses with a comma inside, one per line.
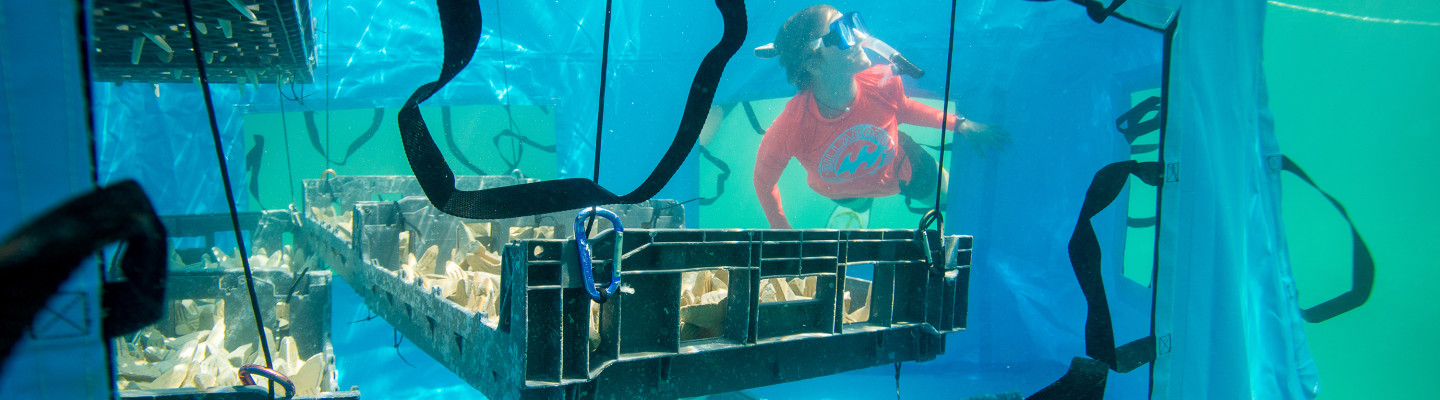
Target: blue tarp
(1228,302)
(45,160)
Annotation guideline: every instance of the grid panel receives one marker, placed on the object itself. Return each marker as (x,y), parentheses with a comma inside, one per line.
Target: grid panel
(274,45)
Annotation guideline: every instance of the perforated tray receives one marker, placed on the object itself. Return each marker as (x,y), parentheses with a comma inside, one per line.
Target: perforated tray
(259,41)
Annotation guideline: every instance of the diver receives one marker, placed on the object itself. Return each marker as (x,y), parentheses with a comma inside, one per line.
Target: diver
(843,124)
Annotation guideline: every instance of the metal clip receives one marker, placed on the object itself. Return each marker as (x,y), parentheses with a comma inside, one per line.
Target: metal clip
(583,248)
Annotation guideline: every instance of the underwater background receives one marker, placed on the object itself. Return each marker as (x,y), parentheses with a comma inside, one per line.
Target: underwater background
(1352,90)
(1354,100)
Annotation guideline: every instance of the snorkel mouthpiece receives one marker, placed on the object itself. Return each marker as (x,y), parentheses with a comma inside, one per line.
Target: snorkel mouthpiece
(898,64)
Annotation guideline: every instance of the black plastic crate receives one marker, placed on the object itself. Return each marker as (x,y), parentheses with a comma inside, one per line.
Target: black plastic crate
(544,338)
(203,293)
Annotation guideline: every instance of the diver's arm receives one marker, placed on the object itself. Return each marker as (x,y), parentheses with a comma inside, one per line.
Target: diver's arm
(980,136)
(913,112)
(770,163)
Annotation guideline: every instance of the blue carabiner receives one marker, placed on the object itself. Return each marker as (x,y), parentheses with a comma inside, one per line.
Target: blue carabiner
(583,248)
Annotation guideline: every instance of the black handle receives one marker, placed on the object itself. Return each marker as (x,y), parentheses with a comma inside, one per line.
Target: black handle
(40,256)
(1362,263)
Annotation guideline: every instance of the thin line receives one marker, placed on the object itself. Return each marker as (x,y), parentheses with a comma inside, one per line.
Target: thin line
(1165,60)
(519,148)
(1353,16)
(504,71)
(328,27)
(945,115)
(83,26)
(284,31)
(600,117)
(285,129)
(225,182)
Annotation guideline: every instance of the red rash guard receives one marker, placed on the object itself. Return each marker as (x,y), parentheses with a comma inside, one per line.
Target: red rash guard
(854,155)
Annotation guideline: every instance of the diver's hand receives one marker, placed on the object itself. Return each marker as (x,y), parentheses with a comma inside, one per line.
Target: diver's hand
(981,136)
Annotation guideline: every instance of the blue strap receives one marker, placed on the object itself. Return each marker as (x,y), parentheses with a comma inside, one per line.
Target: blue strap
(583,248)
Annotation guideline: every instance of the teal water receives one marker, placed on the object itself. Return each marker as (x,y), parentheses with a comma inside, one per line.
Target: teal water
(1354,91)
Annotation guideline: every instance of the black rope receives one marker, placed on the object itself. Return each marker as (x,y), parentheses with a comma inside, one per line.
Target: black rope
(931,217)
(1163,115)
(719,179)
(400,339)
(754,121)
(897,381)
(1098,12)
(445,125)
(516,151)
(327,83)
(83,32)
(600,116)
(324,150)
(225,182)
(517,148)
(655,215)
(369,315)
(945,114)
(285,129)
(295,96)
(82,28)
(304,275)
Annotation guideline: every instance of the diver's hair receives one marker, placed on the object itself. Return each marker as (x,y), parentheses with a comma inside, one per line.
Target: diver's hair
(793,42)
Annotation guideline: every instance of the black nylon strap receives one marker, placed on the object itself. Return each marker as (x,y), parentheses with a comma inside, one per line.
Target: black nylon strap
(1085,259)
(355,145)
(40,256)
(517,146)
(1085,380)
(460,21)
(754,121)
(719,179)
(252,165)
(1145,222)
(1143,148)
(1131,125)
(450,141)
(1363,264)
(1099,12)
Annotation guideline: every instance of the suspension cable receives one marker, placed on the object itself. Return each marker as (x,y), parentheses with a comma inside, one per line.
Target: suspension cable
(600,117)
(285,129)
(225,181)
(945,120)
